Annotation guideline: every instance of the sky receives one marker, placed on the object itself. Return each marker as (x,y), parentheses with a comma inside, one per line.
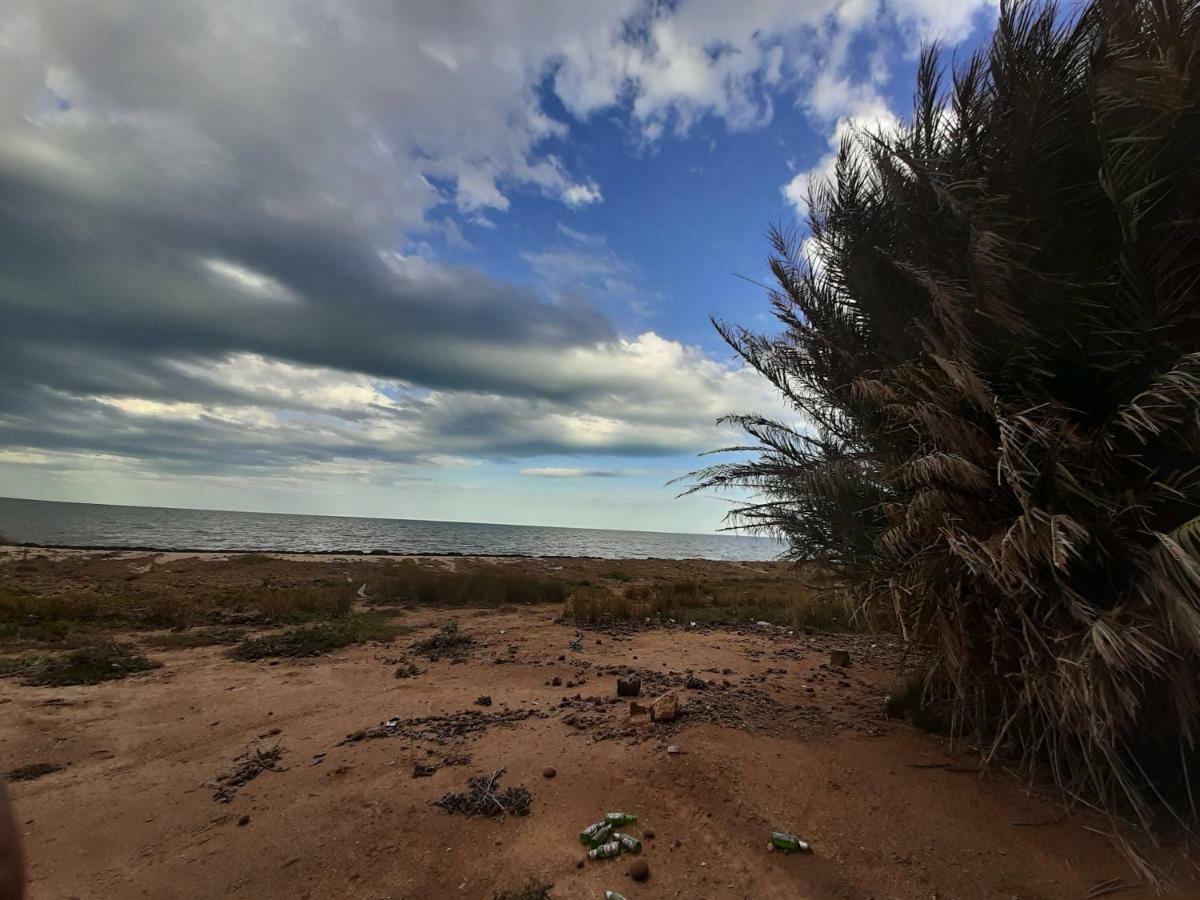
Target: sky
(433,260)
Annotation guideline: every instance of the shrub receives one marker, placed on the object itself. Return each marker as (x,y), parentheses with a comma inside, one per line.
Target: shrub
(88,665)
(412,583)
(448,641)
(318,639)
(992,340)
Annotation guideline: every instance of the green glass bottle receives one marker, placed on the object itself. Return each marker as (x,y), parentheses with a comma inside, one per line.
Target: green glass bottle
(606,851)
(619,819)
(613,895)
(596,833)
(628,843)
(782,841)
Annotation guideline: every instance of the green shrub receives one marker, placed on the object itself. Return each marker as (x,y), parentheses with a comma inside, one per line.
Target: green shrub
(318,639)
(87,665)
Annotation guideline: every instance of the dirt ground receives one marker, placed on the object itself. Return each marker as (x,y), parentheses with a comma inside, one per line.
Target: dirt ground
(772,737)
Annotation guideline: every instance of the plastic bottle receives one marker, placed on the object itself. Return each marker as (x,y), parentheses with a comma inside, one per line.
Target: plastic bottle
(628,843)
(781,840)
(606,851)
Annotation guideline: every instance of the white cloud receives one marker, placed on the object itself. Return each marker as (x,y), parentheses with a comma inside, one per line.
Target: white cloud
(579,195)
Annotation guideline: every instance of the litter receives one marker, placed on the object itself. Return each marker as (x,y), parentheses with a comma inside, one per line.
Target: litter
(628,843)
(606,851)
(613,895)
(781,840)
(595,834)
(618,819)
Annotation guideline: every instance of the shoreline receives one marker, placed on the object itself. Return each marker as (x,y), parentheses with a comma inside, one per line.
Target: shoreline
(360,554)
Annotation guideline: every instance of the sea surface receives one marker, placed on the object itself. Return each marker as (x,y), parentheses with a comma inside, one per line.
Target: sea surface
(147,527)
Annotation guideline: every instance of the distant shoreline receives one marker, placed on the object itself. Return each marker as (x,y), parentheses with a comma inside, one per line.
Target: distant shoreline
(380,553)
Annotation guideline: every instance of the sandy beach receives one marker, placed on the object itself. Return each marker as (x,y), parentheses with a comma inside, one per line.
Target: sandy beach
(771,735)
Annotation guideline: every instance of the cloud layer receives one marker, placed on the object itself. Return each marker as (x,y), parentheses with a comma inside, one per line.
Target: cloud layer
(209,208)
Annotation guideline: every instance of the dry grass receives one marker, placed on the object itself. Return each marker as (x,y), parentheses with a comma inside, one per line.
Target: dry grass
(77,617)
(787,602)
(411,583)
(87,665)
(448,641)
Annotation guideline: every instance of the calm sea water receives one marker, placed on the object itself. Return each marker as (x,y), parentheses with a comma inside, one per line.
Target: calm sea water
(94,525)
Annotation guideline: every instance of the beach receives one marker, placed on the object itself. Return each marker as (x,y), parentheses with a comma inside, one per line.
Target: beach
(140,794)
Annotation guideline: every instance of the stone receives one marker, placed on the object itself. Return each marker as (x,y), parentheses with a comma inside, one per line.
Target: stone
(695,684)
(629,687)
(485,700)
(636,709)
(243,821)
(549,772)
(648,833)
(639,870)
(556,681)
(839,658)
(665,708)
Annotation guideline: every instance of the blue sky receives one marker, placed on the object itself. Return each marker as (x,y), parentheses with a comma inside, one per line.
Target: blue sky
(439,261)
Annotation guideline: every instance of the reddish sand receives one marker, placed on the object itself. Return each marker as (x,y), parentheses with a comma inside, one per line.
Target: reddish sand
(131,814)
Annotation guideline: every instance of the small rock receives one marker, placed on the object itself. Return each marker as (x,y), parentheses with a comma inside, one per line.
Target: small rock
(556,681)
(665,708)
(639,870)
(839,658)
(636,709)
(727,671)
(562,657)
(597,642)
(648,833)
(243,821)
(629,687)
(579,863)
(695,684)
(549,772)
(485,700)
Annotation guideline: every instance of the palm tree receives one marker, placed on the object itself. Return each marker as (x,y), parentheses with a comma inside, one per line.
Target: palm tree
(991,339)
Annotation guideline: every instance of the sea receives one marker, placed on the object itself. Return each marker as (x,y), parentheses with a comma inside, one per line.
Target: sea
(157,528)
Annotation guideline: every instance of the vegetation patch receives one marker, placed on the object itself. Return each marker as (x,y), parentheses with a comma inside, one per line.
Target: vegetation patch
(789,602)
(33,771)
(319,639)
(196,637)
(448,641)
(412,583)
(87,665)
